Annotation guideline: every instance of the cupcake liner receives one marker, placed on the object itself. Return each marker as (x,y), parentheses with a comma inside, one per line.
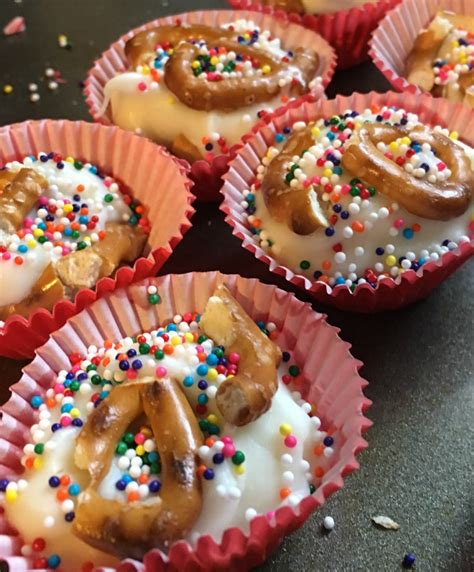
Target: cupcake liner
(158,180)
(393,40)
(390,293)
(348,31)
(207,176)
(330,378)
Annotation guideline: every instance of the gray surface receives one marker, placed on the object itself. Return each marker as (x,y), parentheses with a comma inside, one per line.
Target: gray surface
(419,361)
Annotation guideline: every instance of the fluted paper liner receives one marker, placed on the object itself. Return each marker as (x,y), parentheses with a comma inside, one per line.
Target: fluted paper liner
(155,178)
(348,31)
(395,36)
(331,380)
(207,176)
(390,293)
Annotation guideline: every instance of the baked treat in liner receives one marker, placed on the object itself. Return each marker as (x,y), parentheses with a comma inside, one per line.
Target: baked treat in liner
(361,196)
(442,58)
(133,449)
(63,226)
(315,6)
(197,88)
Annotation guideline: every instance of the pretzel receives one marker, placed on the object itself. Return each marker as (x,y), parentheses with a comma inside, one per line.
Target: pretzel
(130,530)
(435,43)
(246,396)
(299,209)
(19,193)
(438,201)
(82,268)
(45,293)
(231,93)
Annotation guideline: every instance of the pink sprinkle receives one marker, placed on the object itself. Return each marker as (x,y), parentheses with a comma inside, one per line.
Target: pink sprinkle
(398,223)
(290,441)
(27,222)
(107,181)
(161,371)
(199,349)
(15,26)
(43,201)
(228,451)
(345,189)
(270,515)
(58,388)
(65,250)
(142,86)
(65,421)
(227,440)
(306,183)
(139,438)
(234,357)
(316,180)
(441,166)
(132,374)
(6,256)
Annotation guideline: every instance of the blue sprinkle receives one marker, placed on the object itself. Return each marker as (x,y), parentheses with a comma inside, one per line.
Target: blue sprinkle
(36,401)
(188,381)
(202,370)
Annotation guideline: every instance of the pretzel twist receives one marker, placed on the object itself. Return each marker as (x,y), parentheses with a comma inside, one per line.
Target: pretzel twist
(439,201)
(231,93)
(132,529)
(246,396)
(299,209)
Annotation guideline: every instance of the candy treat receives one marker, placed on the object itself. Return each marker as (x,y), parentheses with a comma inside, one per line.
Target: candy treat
(360,196)
(62,227)
(197,89)
(171,434)
(315,6)
(442,58)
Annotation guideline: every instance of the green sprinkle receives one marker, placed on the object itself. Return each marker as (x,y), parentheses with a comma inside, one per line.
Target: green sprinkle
(312,488)
(81,245)
(96,380)
(75,385)
(39,448)
(121,448)
(108,198)
(372,191)
(305,264)
(154,299)
(144,349)
(78,165)
(354,192)
(91,367)
(294,370)
(238,458)
(159,354)
(201,339)
(129,438)
(75,234)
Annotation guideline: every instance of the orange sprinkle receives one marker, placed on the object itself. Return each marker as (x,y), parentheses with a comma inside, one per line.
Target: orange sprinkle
(62,495)
(201,469)
(257,223)
(374,108)
(133,496)
(209,441)
(416,227)
(107,344)
(326,264)
(168,349)
(122,356)
(80,188)
(318,472)
(142,479)
(358,226)
(273,335)
(335,197)
(84,211)
(29,463)
(195,336)
(102,234)
(50,403)
(318,450)
(285,492)
(65,480)
(106,361)
(75,226)
(324,278)
(205,140)
(202,356)
(284,98)
(18,260)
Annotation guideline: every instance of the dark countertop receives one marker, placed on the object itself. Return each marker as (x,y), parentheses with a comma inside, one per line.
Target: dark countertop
(418,468)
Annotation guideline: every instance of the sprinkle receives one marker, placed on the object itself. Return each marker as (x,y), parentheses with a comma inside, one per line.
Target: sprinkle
(328,522)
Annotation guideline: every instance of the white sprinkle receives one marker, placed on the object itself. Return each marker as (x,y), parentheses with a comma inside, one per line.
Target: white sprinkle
(48,522)
(250,513)
(328,522)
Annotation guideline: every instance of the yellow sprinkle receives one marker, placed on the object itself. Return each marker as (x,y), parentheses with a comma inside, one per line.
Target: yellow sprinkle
(327,173)
(454,135)
(145,70)
(11,495)
(212,373)
(176,341)
(390,260)
(213,419)
(37,463)
(140,450)
(170,100)
(32,244)
(266,69)
(239,469)
(247,36)
(195,64)
(38,232)
(7,89)
(405,140)
(315,131)
(455,44)
(146,431)
(67,208)
(229,376)
(393,146)
(214,60)
(189,337)
(285,429)
(74,413)
(69,160)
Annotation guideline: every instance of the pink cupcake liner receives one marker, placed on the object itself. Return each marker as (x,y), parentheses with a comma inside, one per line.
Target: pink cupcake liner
(331,380)
(207,176)
(348,31)
(158,180)
(389,294)
(393,40)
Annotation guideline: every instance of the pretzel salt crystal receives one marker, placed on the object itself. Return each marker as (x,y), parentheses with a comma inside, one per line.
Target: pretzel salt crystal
(230,94)
(82,268)
(247,395)
(299,209)
(442,200)
(131,529)
(19,195)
